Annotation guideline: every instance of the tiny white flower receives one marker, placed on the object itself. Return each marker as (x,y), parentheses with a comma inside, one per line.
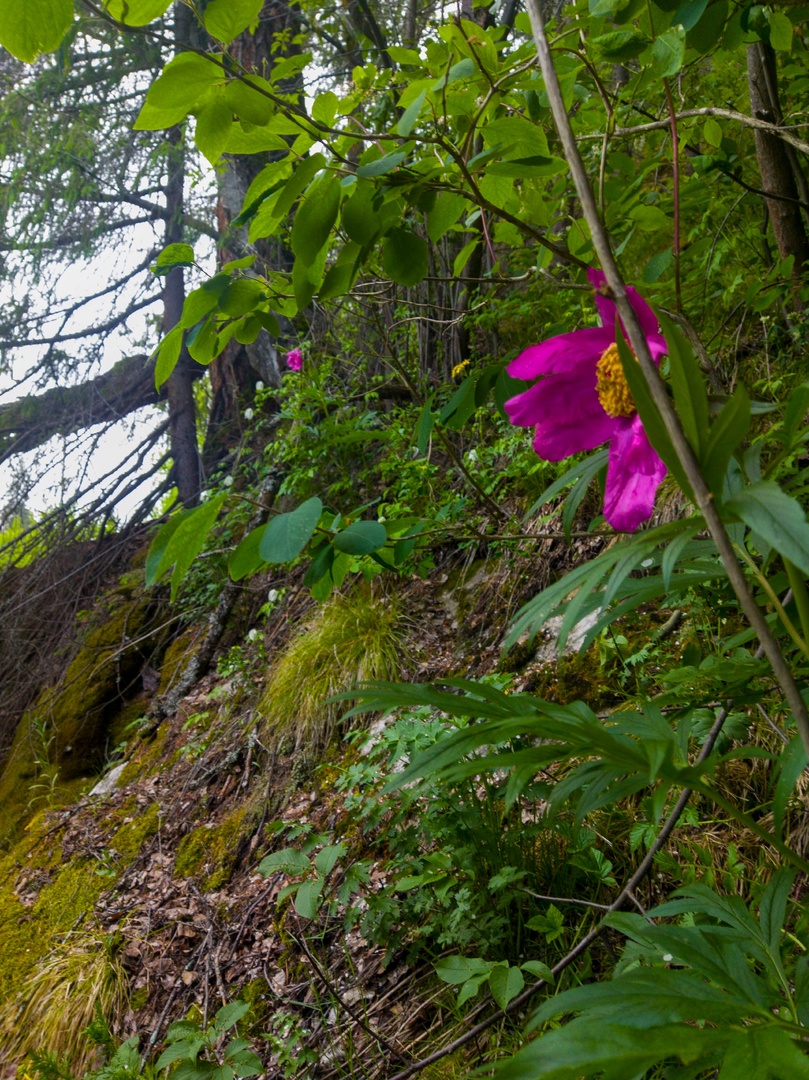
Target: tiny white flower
(667,958)
(259,385)
(227,482)
(273,595)
(249,414)
(647,562)
(252,635)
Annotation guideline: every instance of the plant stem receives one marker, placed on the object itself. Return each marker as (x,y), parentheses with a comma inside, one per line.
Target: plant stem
(703,496)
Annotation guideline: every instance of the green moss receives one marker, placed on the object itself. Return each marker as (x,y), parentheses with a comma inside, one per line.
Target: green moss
(148,758)
(131,837)
(212,852)
(176,657)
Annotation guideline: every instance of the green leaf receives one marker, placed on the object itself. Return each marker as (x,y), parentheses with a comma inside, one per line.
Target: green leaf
(726,434)
(444,213)
(404,257)
(688,384)
(137,12)
(289,861)
(668,52)
(168,354)
(712,132)
(184,542)
(381,166)
(457,969)
(505,983)
(226,19)
(31,27)
(246,558)
(287,535)
(777,518)
(307,898)
(245,98)
(361,538)
(213,127)
(657,266)
(184,81)
(780,31)
(408,119)
(315,216)
(159,544)
(324,107)
(229,1015)
(242,296)
(424,426)
(328,857)
(173,255)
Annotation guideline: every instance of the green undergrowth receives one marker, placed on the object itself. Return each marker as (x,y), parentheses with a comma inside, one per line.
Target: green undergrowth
(210,853)
(351,639)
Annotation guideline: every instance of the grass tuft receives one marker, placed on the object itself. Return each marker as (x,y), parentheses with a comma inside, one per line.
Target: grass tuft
(351,640)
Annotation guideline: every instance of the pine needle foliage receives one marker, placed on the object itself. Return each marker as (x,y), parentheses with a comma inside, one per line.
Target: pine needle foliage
(352,639)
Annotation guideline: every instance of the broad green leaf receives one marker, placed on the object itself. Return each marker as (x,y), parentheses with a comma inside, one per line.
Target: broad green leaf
(707,32)
(689,13)
(184,81)
(381,166)
(361,538)
(668,52)
(160,542)
(246,558)
(712,132)
(777,518)
(457,969)
(359,215)
(328,857)
(168,354)
(213,126)
(444,213)
(229,1015)
(505,983)
(173,255)
(307,898)
(31,27)
(287,535)
(404,257)
(226,19)
(315,216)
(620,45)
(245,97)
(657,266)
(324,107)
(780,31)
(241,296)
(137,12)
(184,542)
(289,861)
(408,119)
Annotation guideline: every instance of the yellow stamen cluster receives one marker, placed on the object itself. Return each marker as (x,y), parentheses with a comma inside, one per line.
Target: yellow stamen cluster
(611,385)
(460,369)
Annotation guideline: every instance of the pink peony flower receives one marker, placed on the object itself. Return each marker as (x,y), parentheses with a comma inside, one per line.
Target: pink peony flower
(585,401)
(294,359)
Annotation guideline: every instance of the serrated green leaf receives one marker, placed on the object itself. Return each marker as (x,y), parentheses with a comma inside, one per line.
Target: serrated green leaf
(328,857)
(287,535)
(289,861)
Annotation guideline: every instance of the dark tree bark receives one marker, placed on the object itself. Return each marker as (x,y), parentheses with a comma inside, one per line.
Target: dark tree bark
(187,468)
(778,171)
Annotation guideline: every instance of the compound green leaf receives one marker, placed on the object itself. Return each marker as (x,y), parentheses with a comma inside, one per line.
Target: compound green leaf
(31,27)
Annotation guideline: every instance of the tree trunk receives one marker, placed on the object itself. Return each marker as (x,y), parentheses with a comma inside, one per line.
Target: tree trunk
(187,469)
(777,173)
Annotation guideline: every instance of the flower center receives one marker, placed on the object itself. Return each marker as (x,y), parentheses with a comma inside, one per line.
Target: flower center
(611,385)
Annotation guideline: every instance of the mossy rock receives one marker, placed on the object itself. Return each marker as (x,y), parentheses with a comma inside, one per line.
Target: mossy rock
(130,838)
(68,734)
(211,853)
(176,658)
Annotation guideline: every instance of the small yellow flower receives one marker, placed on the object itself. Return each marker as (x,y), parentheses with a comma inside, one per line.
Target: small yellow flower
(460,369)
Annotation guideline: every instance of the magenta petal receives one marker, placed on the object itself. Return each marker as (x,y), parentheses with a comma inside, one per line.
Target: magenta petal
(634,472)
(566,413)
(561,353)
